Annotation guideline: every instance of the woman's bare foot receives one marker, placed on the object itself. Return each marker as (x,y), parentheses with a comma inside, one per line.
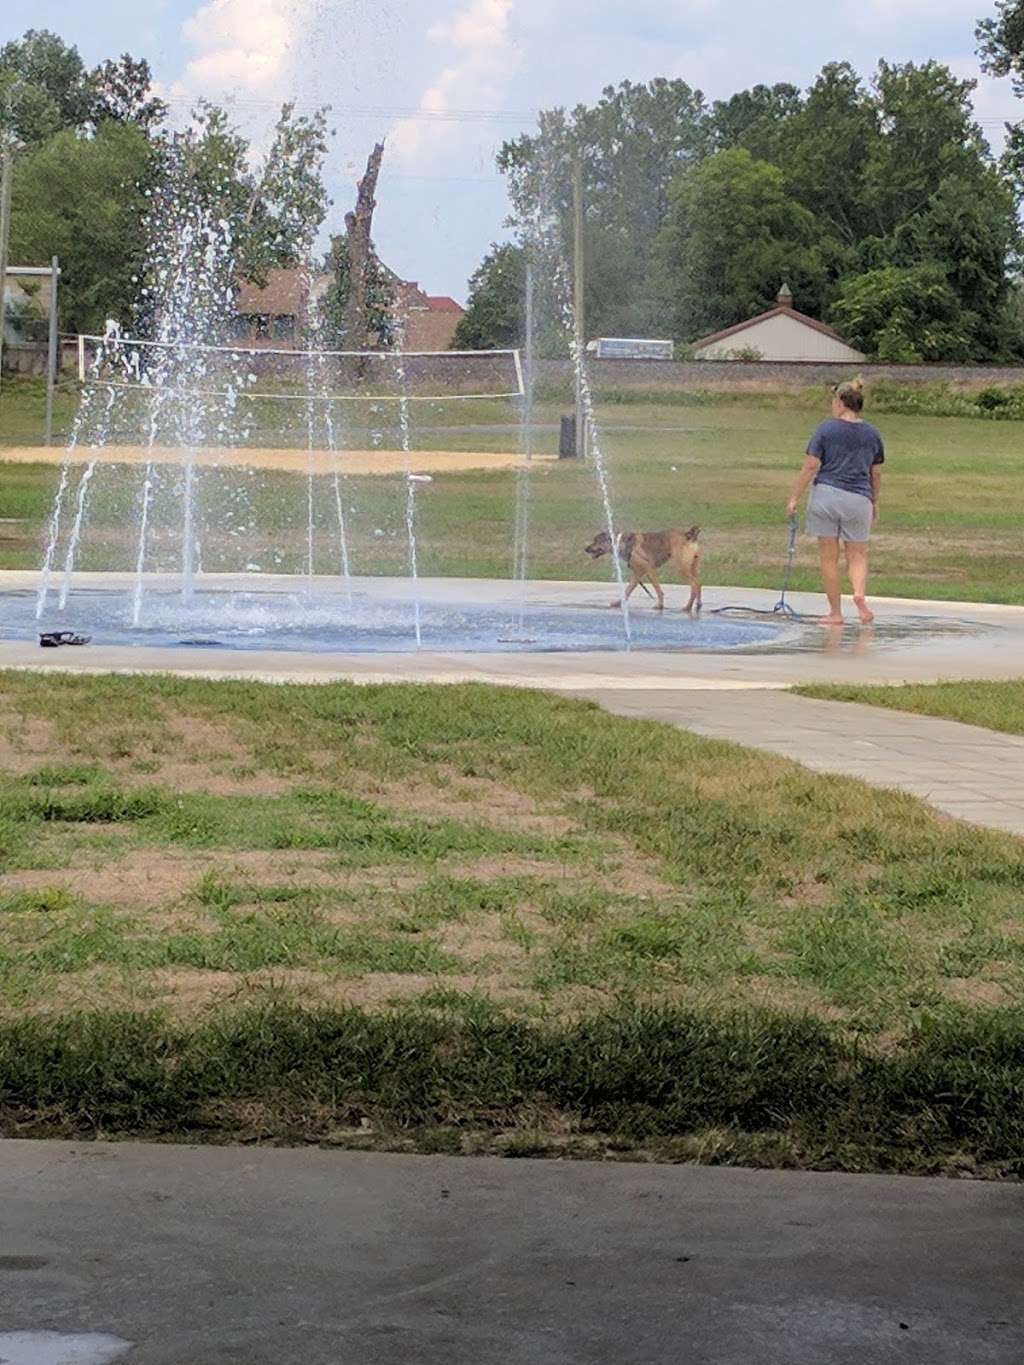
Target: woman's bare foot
(863,611)
(831,621)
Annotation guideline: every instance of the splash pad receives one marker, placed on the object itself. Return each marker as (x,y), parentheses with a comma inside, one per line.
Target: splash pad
(290,616)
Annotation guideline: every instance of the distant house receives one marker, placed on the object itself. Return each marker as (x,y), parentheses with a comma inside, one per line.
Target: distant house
(430,319)
(782,333)
(275,315)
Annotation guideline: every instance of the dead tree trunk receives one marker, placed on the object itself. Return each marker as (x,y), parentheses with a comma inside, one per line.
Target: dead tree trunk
(360,256)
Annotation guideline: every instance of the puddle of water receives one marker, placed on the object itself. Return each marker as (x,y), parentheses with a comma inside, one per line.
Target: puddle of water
(55,1348)
(329,622)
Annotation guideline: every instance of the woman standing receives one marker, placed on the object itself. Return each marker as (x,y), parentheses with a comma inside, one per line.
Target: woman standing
(844,463)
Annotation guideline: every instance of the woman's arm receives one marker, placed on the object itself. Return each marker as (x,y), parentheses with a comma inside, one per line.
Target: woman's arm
(803,481)
(876,489)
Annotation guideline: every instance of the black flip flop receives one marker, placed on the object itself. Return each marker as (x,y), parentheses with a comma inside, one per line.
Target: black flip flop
(51,639)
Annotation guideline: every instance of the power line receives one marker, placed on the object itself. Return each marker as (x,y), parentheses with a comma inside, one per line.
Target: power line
(413,112)
(416,113)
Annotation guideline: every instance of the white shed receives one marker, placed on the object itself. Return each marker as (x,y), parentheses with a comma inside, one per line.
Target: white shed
(782,333)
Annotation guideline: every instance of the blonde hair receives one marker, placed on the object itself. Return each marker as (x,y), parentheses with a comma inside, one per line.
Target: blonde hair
(851,394)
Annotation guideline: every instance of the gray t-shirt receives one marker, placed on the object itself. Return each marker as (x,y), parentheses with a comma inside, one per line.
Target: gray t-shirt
(848,451)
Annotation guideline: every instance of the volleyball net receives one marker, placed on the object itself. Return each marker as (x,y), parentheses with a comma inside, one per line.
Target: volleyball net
(275,373)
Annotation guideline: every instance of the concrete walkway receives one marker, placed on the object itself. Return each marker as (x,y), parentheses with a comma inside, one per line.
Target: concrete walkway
(147,1255)
(970,773)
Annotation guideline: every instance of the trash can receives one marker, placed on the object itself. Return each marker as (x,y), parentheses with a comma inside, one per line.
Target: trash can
(567,439)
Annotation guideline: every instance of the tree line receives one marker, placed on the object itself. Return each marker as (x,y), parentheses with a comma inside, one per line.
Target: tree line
(93,152)
(878,201)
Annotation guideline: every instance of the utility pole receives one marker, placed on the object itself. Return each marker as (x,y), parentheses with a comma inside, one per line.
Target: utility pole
(578,305)
(528,357)
(52,354)
(6,175)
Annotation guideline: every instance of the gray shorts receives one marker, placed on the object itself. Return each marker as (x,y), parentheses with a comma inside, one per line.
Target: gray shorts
(835,514)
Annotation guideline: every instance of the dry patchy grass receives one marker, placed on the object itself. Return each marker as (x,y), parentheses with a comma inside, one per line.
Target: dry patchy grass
(194,845)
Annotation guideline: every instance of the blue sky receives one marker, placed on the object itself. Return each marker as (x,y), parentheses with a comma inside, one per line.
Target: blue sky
(447,80)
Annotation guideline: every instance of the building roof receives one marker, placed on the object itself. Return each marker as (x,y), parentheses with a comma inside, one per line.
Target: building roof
(282,294)
(781,310)
(285,293)
(413,297)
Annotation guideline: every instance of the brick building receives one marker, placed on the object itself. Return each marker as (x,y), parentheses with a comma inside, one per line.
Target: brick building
(275,315)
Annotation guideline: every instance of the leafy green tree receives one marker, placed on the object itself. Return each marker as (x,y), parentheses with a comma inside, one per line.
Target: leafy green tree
(494,311)
(122,90)
(380,299)
(289,191)
(1001,49)
(44,87)
(733,235)
(905,315)
(825,148)
(928,134)
(273,212)
(970,231)
(754,119)
(1001,42)
(630,146)
(83,199)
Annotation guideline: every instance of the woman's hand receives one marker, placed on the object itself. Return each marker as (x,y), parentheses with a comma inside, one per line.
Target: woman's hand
(874,514)
(804,480)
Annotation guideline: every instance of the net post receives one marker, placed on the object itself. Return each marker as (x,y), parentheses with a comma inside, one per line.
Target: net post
(519,372)
(81,358)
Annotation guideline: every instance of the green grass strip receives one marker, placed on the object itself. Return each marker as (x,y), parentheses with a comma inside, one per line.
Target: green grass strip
(789,1090)
(991,705)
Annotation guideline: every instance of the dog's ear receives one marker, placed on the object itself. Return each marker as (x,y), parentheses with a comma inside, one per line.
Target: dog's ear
(693,533)
(627,544)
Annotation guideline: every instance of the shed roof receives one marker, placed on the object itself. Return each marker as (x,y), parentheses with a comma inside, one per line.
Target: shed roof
(781,310)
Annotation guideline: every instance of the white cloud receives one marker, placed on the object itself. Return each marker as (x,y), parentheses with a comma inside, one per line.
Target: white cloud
(480,58)
(241,47)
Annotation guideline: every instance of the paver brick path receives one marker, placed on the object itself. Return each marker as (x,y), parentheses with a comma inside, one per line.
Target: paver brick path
(970,773)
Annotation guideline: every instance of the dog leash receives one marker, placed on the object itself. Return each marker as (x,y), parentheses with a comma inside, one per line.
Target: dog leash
(782,607)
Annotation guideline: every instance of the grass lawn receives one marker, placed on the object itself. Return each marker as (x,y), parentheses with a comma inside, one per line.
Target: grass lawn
(950,526)
(476,918)
(993,705)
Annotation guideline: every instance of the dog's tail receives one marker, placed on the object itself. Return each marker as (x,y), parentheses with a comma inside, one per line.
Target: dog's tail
(693,533)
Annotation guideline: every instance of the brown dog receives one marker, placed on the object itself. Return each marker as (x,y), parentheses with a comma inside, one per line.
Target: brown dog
(644,553)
